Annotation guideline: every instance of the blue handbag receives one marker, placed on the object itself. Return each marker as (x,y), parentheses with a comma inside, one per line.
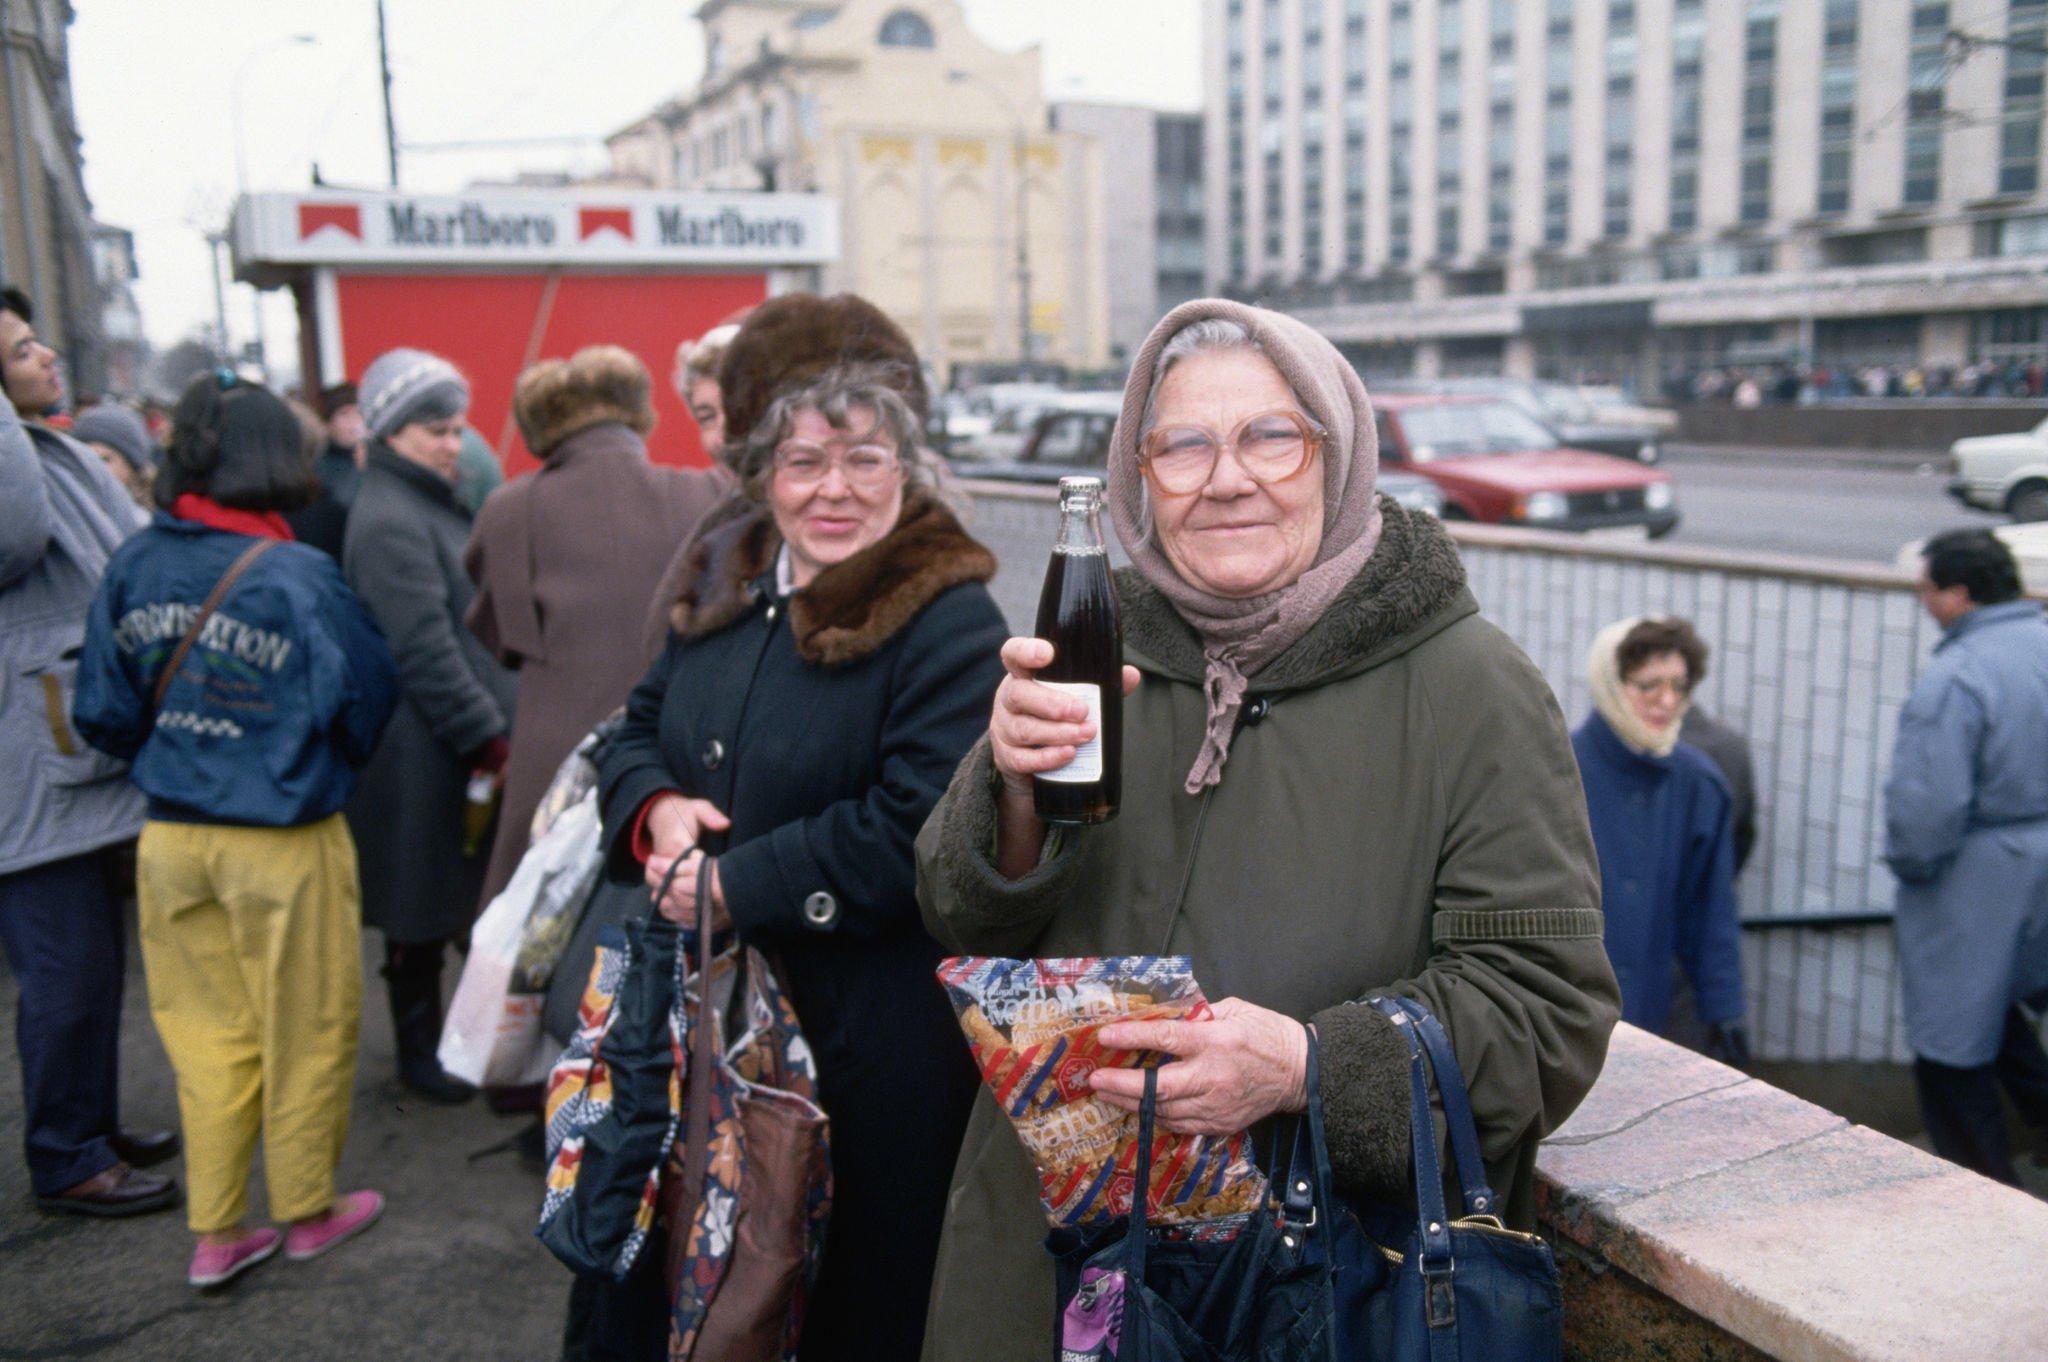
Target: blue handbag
(1463,1290)
(1252,1288)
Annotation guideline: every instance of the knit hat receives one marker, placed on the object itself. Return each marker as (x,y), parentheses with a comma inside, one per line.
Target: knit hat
(556,398)
(120,430)
(404,386)
(788,341)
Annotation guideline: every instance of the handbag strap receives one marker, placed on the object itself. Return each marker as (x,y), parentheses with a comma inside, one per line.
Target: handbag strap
(219,593)
(704,1042)
(1433,1219)
(1309,1196)
(1138,1230)
(1450,1086)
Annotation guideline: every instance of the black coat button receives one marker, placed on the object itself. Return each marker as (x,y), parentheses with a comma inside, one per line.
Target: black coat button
(714,755)
(821,910)
(1255,713)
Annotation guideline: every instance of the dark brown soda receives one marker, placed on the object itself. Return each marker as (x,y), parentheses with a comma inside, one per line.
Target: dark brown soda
(1077,614)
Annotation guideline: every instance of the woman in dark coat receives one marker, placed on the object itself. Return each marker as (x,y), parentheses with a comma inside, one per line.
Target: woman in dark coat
(403,555)
(1663,821)
(832,657)
(565,561)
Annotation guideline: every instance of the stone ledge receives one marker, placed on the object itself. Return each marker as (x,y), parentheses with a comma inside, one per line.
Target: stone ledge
(1783,1226)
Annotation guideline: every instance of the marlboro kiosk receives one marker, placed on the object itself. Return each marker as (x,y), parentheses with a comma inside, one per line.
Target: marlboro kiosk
(497,280)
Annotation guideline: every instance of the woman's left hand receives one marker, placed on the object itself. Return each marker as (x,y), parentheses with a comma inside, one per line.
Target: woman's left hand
(680,903)
(1241,1065)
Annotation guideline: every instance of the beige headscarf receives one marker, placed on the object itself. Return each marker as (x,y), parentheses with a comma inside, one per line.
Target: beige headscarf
(1603,667)
(1241,636)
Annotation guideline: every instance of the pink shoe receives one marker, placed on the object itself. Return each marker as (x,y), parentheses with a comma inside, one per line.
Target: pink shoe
(351,1215)
(218,1264)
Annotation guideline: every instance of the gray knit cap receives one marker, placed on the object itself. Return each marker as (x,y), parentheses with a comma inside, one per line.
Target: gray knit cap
(120,430)
(404,386)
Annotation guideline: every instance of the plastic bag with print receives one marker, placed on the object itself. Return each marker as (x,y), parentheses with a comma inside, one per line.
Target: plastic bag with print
(1031,1025)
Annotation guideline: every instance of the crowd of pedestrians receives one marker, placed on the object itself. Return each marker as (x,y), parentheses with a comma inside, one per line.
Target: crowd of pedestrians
(285,701)
(1786,384)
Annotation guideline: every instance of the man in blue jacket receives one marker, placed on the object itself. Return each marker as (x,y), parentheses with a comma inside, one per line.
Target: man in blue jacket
(1966,832)
(69,809)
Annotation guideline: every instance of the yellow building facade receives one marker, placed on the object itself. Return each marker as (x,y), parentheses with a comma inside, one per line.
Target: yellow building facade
(935,146)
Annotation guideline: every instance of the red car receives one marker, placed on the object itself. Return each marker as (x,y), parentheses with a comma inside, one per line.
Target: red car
(1496,463)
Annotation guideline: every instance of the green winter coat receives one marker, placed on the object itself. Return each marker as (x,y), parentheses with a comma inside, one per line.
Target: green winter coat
(1400,813)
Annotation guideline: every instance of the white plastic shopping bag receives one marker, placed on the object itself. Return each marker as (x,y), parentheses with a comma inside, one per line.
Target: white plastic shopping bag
(493,1035)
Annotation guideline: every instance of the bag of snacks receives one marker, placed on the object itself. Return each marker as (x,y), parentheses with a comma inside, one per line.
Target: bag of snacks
(1031,1025)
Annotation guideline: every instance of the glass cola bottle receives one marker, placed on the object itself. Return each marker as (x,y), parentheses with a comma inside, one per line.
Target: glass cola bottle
(1077,615)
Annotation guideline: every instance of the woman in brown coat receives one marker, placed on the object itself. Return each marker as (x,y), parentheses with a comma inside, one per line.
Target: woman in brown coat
(566,559)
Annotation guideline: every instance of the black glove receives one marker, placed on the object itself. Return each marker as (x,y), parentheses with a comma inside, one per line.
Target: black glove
(1729,1043)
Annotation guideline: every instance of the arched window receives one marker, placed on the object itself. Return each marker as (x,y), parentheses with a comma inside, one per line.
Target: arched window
(906,28)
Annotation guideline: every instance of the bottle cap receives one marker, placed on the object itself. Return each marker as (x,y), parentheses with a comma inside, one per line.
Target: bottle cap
(1080,487)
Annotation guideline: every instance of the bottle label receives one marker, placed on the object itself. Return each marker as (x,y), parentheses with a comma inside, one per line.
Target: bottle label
(1086,767)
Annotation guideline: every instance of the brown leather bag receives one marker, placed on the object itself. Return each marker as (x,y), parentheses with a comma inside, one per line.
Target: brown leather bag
(738,1287)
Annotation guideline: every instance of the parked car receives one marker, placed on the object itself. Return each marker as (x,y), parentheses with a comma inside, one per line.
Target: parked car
(2002,472)
(1072,440)
(1613,407)
(991,421)
(1495,463)
(1066,436)
(1563,409)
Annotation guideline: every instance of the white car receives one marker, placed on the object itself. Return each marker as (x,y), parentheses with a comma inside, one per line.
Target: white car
(2002,472)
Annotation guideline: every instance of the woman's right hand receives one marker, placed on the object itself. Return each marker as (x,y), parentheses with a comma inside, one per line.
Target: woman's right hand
(1035,728)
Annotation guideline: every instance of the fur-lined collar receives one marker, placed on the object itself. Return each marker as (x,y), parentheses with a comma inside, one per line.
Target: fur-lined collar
(1411,587)
(850,609)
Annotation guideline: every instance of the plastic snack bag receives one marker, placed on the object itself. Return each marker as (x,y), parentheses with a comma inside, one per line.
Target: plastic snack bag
(1031,1025)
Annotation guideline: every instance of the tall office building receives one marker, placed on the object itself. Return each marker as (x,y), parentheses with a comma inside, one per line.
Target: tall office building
(1152,229)
(1631,189)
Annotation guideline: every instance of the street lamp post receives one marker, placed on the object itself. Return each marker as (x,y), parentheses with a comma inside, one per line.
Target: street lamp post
(1024,345)
(242,170)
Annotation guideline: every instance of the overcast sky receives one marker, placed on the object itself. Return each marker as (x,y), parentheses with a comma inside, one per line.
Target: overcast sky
(156,93)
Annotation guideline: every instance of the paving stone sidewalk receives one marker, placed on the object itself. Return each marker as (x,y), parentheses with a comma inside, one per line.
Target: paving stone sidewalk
(452,1273)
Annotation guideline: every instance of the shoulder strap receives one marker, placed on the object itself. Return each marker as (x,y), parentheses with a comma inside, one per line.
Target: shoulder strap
(213,600)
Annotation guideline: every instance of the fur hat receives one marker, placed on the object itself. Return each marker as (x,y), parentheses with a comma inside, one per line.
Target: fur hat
(556,398)
(798,337)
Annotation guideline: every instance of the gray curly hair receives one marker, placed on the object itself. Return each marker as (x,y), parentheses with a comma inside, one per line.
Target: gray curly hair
(838,395)
(1210,333)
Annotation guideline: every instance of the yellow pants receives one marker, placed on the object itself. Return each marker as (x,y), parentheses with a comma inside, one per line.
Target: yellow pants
(251,943)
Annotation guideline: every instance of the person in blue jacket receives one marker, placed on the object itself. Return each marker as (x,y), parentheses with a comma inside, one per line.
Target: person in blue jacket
(1663,823)
(246,875)
(1966,832)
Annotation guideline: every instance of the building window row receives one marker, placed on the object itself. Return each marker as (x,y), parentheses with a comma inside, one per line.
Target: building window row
(1840,34)
(1621,118)
(1688,42)
(1759,101)
(1927,66)
(1557,123)
(2019,138)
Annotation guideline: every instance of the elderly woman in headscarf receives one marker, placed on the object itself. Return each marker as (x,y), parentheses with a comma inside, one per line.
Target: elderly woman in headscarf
(1663,820)
(1338,781)
(402,553)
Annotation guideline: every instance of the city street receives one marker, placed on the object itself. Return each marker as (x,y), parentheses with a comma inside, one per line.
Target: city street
(1833,509)
(452,1273)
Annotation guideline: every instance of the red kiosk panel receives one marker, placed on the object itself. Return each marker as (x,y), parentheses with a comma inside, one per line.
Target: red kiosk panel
(486,323)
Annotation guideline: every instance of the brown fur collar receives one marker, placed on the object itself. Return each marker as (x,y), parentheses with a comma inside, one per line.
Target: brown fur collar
(1413,585)
(850,609)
